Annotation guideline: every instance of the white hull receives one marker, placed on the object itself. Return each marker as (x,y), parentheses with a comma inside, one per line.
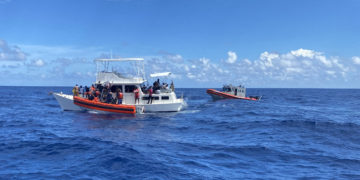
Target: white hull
(168,107)
(66,102)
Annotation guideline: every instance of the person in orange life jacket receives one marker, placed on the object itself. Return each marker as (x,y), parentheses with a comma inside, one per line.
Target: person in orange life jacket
(136,92)
(97,93)
(119,96)
(150,95)
(92,88)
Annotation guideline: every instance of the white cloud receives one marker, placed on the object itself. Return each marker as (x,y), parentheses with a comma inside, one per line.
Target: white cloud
(39,63)
(267,58)
(323,60)
(232,57)
(303,53)
(294,70)
(247,61)
(204,61)
(356,60)
(176,57)
(8,53)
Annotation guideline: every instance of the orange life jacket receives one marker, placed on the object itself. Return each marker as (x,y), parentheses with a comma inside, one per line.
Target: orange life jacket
(120,95)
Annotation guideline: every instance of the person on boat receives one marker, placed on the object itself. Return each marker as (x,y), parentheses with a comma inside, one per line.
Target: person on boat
(91,97)
(109,98)
(87,91)
(150,95)
(156,85)
(92,87)
(96,99)
(172,87)
(136,92)
(104,94)
(81,91)
(97,93)
(119,96)
(143,88)
(76,90)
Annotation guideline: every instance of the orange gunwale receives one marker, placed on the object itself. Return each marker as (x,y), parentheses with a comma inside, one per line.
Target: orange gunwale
(116,108)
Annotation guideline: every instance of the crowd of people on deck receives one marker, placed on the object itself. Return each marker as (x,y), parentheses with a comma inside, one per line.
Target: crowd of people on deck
(104,93)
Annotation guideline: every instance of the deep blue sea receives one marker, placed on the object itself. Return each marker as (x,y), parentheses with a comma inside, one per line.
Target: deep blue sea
(289,134)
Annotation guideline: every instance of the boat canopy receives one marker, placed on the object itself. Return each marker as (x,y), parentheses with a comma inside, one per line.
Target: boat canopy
(130,71)
(163,74)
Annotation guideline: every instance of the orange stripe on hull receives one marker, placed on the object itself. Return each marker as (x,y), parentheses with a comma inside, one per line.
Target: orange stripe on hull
(115,108)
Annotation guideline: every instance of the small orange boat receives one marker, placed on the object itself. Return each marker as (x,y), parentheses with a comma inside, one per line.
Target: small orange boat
(231,92)
(100,106)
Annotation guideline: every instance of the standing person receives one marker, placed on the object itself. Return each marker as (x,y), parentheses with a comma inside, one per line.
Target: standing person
(92,89)
(136,92)
(119,96)
(109,98)
(81,91)
(76,90)
(172,87)
(150,94)
(87,91)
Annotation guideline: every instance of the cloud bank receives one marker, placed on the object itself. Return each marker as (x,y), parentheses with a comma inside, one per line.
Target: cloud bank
(41,65)
(296,68)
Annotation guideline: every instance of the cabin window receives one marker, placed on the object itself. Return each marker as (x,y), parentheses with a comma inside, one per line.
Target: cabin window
(130,88)
(147,98)
(115,87)
(165,97)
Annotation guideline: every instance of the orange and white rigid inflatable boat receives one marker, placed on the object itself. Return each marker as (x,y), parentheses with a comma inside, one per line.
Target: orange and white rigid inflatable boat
(104,107)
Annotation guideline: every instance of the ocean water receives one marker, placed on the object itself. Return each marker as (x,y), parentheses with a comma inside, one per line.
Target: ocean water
(289,134)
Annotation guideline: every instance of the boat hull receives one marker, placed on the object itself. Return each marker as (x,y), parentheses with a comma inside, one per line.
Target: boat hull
(166,107)
(99,106)
(66,102)
(216,95)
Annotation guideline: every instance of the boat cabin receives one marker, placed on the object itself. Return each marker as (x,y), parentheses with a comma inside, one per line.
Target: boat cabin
(239,91)
(127,82)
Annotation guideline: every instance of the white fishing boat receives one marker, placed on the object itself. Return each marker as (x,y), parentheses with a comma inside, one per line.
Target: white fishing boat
(164,98)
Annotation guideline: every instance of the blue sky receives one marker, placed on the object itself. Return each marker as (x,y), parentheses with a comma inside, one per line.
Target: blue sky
(204,43)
